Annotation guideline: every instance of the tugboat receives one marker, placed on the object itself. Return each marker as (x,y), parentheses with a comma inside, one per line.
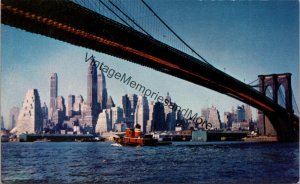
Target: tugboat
(133,137)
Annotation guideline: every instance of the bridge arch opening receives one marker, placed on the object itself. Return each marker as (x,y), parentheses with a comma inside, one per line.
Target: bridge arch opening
(269,92)
(281,96)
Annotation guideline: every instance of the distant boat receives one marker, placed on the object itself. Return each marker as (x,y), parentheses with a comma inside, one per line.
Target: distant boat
(133,137)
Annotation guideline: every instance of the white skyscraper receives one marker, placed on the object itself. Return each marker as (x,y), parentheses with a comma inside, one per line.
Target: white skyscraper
(141,113)
(104,123)
(214,118)
(30,118)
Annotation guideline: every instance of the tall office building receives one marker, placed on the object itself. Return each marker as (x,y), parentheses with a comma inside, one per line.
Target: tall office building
(228,119)
(125,105)
(149,126)
(13,117)
(116,116)
(133,98)
(45,115)
(59,114)
(104,123)
(71,102)
(159,122)
(170,115)
(78,105)
(214,118)
(30,118)
(102,91)
(53,93)
(141,113)
(91,107)
(240,113)
(248,113)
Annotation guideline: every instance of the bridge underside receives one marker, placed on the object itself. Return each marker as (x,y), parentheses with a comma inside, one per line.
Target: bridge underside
(69,22)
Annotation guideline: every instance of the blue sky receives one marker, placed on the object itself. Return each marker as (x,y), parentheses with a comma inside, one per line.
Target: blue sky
(244,39)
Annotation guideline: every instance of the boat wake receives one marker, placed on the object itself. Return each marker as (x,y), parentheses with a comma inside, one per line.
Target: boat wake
(116,144)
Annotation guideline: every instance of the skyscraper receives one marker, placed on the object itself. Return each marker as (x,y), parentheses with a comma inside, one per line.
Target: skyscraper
(53,93)
(125,105)
(141,113)
(104,123)
(116,116)
(77,108)
(30,118)
(110,103)
(102,91)
(59,114)
(214,118)
(71,101)
(91,107)
(170,115)
(150,119)
(13,117)
(248,113)
(159,123)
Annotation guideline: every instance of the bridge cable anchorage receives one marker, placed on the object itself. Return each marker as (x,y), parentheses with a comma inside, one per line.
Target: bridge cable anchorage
(129,18)
(115,14)
(176,35)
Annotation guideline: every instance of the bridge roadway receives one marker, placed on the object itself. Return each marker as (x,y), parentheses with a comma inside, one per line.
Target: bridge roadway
(72,23)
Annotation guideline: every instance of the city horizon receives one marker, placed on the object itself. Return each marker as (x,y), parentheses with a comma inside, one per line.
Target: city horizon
(46,55)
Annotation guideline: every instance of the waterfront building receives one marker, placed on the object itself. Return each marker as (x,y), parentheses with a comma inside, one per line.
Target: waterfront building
(30,119)
(125,105)
(45,115)
(53,93)
(71,102)
(149,126)
(248,113)
(104,123)
(141,113)
(110,103)
(228,119)
(13,117)
(240,113)
(170,115)
(116,116)
(59,114)
(91,107)
(158,116)
(214,118)
(102,91)
(128,103)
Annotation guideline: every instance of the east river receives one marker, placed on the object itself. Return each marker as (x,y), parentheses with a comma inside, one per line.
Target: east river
(182,162)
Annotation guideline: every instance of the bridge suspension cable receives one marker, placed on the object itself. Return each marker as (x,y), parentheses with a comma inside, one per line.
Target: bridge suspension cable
(114,13)
(175,34)
(128,17)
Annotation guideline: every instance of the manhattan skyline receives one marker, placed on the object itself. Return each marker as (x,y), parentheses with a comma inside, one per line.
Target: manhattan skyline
(256,46)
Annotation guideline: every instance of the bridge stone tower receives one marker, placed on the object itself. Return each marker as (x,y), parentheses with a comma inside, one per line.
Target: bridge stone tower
(274,81)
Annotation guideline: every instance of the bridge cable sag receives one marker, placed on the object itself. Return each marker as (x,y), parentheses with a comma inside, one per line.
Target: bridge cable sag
(115,14)
(170,29)
(128,17)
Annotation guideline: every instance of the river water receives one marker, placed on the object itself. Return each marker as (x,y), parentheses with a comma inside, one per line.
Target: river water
(182,162)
